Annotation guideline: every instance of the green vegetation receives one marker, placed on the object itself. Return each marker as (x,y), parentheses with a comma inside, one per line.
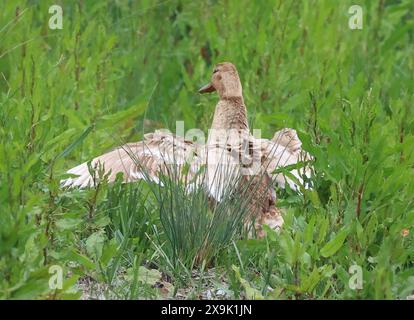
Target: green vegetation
(121,68)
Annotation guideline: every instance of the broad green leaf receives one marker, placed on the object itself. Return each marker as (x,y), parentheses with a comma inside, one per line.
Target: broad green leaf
(75,143)
(145,275)
(108,252)
(81,259)
(148,276)
(308,235)
(314,198)
(310,282)
(371,228)
(68,223)
(335,244)
(323,228)
(94,244)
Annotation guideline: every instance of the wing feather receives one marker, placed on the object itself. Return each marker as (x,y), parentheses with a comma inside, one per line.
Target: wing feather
(141,160)
(284,149)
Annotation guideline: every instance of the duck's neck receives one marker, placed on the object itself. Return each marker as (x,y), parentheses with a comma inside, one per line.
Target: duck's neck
(230,115)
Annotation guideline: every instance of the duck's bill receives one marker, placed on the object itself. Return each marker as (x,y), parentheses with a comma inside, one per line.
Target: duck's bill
(207,88)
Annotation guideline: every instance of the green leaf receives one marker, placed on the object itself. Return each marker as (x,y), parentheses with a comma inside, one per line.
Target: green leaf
(81,259)
(102,222)
(145,276)
(371,229)
(251,293)
(311,281)
(335,244)
(60,139)
(94,244)
(68,223)
(314,198)
(270,233)
(148,276)
(323,229)
(75,143)
(112,119)
(108,252)
(37,283)
(308,234)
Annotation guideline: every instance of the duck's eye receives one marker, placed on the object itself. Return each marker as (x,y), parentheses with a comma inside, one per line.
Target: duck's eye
(215,71)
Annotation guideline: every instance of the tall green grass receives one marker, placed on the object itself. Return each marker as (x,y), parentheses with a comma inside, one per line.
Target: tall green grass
(197,227)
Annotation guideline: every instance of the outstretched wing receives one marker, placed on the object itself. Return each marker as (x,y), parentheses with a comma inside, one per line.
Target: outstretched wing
(159,152)
(285,149)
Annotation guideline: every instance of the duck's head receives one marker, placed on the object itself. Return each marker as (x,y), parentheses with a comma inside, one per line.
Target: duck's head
(225,80)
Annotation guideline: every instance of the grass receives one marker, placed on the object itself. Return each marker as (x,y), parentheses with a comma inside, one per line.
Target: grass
(121,68)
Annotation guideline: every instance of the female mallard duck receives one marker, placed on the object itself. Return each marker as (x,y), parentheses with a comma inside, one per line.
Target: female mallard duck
(230,152)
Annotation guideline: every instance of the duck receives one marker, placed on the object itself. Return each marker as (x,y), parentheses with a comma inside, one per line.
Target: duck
(233,158)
